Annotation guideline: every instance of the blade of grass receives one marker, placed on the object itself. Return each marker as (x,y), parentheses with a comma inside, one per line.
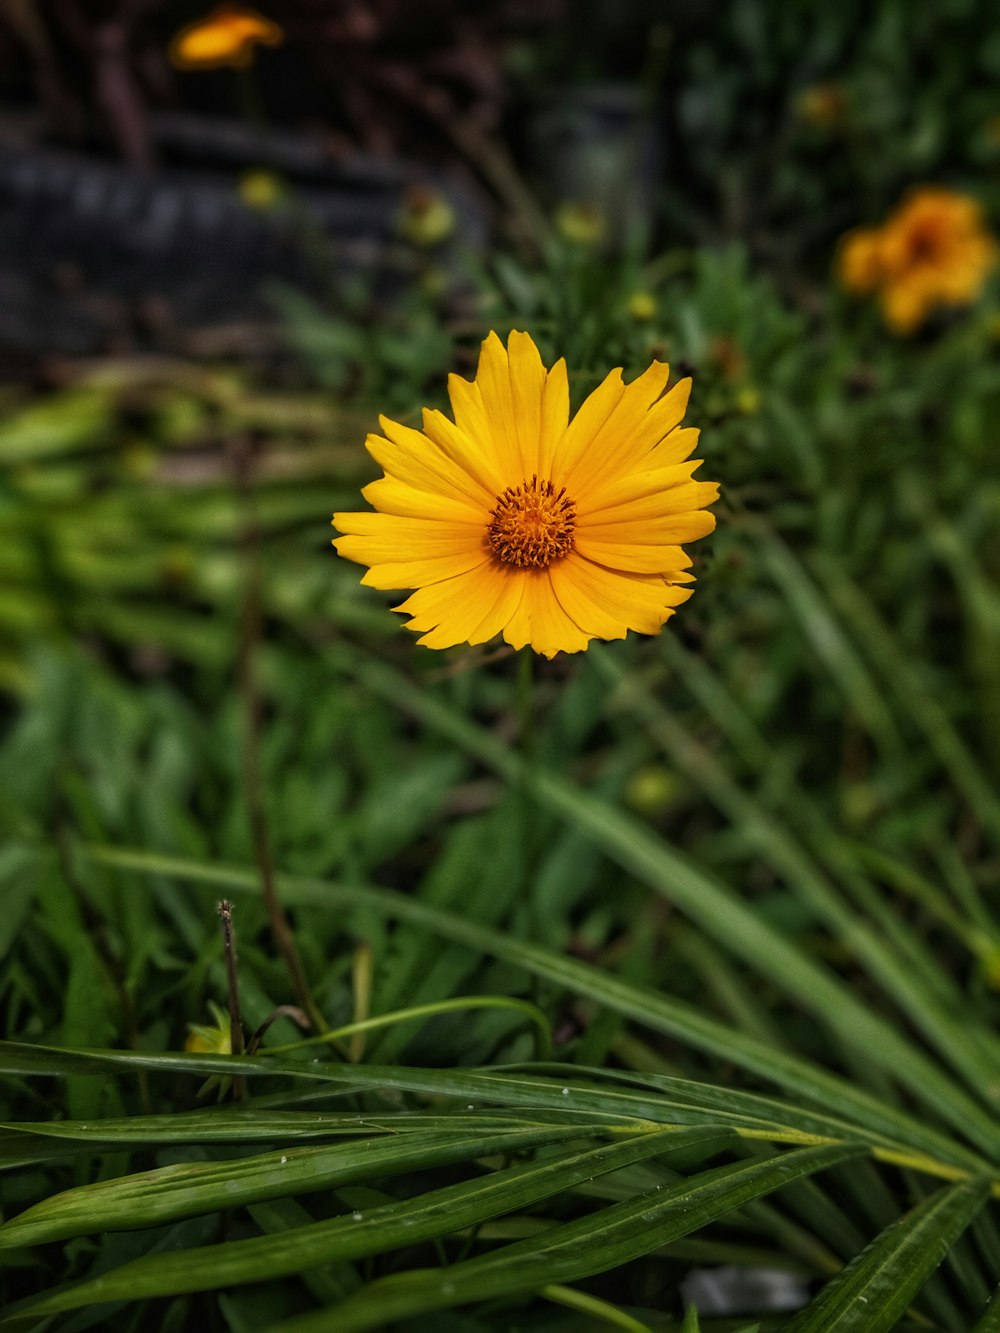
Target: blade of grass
(592,1244)
(187,1189)
(746,1114)
(437,1213)
(877,1287)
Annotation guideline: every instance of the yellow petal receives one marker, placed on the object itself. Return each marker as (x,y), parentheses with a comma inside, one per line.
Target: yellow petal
(473,454)
(484,410)
(412,456)
(413,536)
(471,608)
(650,509)
(416,573)
(634,601)
(675,447)
(585,427)
(555,416)
(648,558)
(586,456)
(594,615)
(526,376)
(408,552)
(392,496)
(667,530)
(636,486)
(540,620)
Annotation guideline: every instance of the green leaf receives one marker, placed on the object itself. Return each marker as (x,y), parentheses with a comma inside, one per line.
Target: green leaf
(989,1321)
(877,1287)
(187,1189)
(437,1213)
(681,1101)
(592,1244)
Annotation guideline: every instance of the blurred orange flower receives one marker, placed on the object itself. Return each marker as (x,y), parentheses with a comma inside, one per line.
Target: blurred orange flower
(933,251)
(226,37)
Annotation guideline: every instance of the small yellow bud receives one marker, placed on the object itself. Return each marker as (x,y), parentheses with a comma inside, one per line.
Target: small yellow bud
(427,218)
(642,306)
(748,400)
(214,1040)
(260,190)
(651,789)
(580,223)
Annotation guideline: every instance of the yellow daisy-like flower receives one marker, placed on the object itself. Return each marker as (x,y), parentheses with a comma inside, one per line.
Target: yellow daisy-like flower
(515,520)
(226,37)
(933,251)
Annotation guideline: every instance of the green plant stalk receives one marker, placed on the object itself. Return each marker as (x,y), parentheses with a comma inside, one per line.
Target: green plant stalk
(543,1031)
(603,1311)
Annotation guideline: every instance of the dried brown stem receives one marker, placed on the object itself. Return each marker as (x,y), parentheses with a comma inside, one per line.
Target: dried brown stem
(250,635)
(225,910)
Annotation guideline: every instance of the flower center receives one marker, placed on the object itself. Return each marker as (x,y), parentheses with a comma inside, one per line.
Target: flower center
(531,524)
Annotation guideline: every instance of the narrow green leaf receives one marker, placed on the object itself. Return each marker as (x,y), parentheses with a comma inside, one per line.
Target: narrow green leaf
(989,1320)
(597,1309)
(592,1244)
(151,1198)
(437,1213)
(244,1124)
(877,1287)
(673,1101)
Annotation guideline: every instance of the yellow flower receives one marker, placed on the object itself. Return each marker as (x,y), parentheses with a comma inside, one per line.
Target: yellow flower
(933,251)
(426,218)
(512,519)
(642,306)
(260,190)
(860,261)
(226,37)
(580,223)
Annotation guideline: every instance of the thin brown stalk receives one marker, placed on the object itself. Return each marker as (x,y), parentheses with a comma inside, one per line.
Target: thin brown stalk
(250,636)
(225,910)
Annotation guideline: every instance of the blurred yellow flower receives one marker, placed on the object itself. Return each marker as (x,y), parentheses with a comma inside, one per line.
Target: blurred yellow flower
(515,520)
(933,251)
(581,224)
(260,190)
(642,306)
(226,37)
(426,218)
